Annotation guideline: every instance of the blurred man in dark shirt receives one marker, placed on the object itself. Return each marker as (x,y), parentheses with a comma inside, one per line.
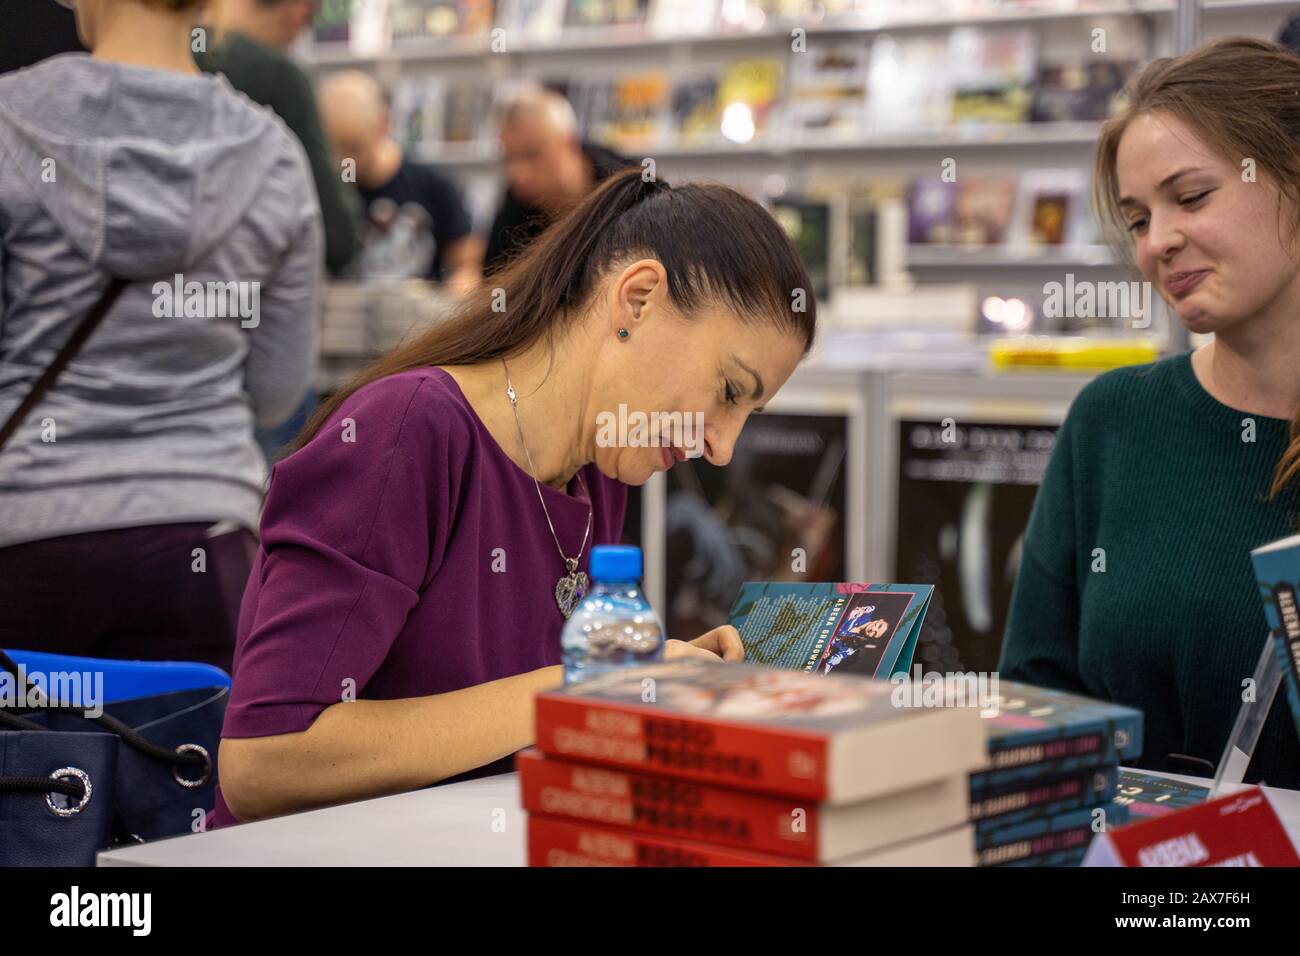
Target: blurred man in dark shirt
(247,42)
(547,167)
(418,224)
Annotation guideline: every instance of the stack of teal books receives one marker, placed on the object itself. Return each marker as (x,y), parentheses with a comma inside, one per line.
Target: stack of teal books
(1052,777)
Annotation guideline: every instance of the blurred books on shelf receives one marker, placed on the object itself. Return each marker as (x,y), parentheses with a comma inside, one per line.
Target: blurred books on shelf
(1040,207)
(931,210)
(828,89)
(965,84)
(1080,90)
(533,21)
(430,112)
(621,14)
(421,20)
(640,110)
(957,76)
(983,210)
(748,95)
(684,18)
(1051,208)
(695,115)
(992,73)
(908,86)
(807,223)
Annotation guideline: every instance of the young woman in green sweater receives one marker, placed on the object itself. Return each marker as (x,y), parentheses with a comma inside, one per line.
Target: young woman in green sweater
(1136,583)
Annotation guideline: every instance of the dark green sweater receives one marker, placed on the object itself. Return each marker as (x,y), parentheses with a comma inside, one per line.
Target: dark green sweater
(270,78)
(1152,470)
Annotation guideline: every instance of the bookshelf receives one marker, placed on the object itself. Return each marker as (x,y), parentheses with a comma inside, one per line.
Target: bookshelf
(784,160)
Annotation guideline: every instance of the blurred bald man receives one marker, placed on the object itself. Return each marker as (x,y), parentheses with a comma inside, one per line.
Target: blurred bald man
(419,224)
(547,168)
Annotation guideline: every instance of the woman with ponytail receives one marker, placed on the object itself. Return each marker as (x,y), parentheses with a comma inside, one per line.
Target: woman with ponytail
(1136,583)
(411,545)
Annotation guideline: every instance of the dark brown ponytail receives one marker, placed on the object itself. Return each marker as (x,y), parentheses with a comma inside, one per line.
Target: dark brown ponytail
(716,246)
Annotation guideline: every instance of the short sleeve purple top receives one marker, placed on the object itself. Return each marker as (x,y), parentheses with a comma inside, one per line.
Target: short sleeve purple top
(403,554)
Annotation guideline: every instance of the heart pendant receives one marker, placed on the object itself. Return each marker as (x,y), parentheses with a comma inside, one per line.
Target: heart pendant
(569,590)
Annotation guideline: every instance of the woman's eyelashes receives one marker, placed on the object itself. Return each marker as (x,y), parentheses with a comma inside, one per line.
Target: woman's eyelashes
(730,393)
(1187,201)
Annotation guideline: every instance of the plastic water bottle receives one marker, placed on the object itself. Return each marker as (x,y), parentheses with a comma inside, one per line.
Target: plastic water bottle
(613,626)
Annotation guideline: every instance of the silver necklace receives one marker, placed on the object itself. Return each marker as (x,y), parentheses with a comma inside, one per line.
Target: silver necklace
(572,586)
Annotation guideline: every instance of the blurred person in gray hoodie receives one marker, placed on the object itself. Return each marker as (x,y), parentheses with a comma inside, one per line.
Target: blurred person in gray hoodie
(128,494)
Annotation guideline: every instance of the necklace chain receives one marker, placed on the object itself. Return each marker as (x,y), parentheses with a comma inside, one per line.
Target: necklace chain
(570,563)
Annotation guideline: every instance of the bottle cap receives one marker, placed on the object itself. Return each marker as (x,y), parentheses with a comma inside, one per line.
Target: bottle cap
(615,562)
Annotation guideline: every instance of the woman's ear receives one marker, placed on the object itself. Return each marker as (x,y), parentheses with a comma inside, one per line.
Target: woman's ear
(641,289)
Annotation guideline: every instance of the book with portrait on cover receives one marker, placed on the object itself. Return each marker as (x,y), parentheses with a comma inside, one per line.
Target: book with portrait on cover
(845,628)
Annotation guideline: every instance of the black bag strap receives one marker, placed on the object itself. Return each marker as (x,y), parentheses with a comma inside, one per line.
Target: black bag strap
(66,353)
(69,787)
(134,740)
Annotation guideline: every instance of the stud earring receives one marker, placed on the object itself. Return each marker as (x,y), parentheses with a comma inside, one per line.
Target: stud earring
(622,333)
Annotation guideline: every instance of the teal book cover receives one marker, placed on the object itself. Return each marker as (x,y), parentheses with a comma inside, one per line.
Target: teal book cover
(1059,840)
(865,629)
(1150,795)
(1034,732)
(1034,799)
(1277,569)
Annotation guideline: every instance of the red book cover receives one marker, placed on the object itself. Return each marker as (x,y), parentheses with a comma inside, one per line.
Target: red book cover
(557,843)
(1241,829)
(836,739)
(668,807)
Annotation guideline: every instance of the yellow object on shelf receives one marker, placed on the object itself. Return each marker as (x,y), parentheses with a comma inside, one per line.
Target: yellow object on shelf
(1071,353)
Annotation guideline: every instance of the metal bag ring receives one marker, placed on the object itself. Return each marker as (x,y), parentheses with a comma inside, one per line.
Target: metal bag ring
(207,768)
(65,773)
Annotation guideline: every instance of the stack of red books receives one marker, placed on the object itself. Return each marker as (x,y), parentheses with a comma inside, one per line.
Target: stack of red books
(697,764)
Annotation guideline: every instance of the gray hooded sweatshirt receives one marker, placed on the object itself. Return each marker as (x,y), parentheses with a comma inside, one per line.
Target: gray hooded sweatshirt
(180,185)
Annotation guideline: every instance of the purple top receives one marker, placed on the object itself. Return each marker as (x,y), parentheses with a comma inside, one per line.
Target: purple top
(379,566)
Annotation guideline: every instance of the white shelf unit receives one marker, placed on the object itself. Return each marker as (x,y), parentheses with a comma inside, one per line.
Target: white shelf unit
(602,39)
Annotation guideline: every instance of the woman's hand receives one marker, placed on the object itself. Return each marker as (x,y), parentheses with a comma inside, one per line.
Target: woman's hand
(720,644)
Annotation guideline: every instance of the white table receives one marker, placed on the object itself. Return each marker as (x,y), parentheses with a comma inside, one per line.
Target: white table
(475,823)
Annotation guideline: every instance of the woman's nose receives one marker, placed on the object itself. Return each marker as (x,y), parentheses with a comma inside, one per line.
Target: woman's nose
(719,445)
(1164,238)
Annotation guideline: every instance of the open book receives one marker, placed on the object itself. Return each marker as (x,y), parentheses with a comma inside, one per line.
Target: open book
(867,629)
